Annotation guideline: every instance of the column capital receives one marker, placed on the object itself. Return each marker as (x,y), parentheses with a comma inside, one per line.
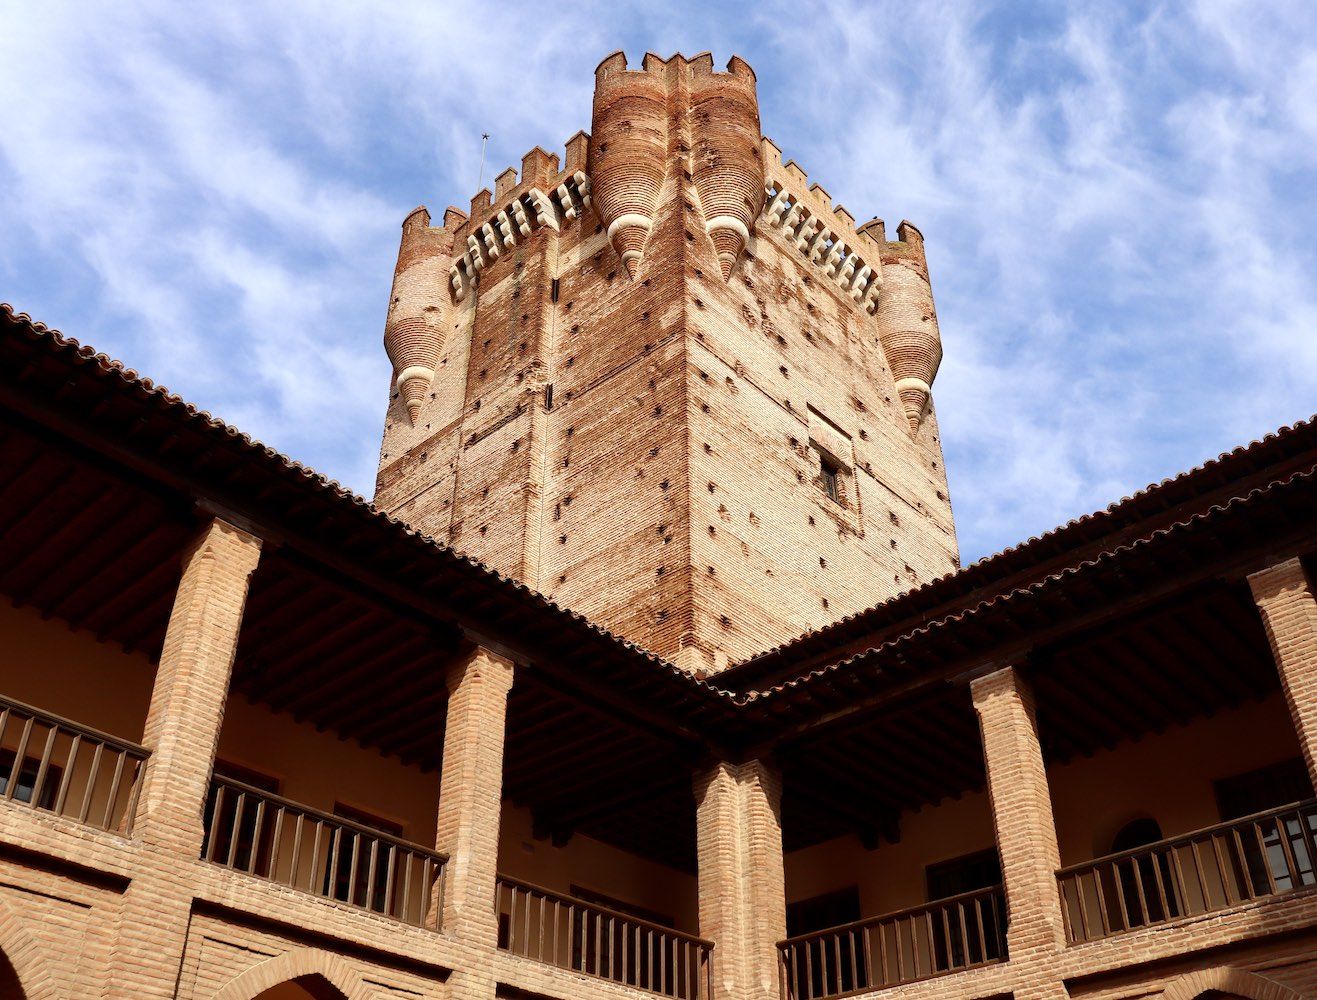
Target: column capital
(1005,678)
(1279,578)
(480,665)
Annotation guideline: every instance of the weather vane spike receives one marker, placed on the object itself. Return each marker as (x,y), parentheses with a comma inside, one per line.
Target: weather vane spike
(484,141)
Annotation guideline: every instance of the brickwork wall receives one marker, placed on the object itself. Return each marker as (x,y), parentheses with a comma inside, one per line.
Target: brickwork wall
(742,896)
(229,959)
(670,492)
(55,930)
(1284,595)
(1022,820)
(182,732)
(670,487)
(73,899)
(469,812)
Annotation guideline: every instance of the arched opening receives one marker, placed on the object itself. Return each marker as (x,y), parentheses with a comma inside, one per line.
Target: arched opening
(1145,885)
(1227,984)
(313,987)
(1136,833)
(301,974)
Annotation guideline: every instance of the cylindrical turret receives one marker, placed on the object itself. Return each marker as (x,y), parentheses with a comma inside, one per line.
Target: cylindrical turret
(628,147)
(907,320)
(414,330)
(727,167)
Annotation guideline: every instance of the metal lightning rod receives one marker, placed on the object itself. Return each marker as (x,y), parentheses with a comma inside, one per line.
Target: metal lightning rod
(484,141)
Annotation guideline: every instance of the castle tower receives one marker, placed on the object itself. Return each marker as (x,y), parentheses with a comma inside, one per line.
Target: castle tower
(667,383)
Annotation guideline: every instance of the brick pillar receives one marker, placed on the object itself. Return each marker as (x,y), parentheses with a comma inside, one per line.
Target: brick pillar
(1284,595)
(470,804)
(182,731)
(1021,813)
(742,892)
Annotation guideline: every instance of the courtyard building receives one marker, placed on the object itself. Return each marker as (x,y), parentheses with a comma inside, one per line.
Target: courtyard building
(651,670)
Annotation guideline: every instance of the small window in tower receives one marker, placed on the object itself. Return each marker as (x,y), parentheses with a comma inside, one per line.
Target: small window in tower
(831,448)
(831,479)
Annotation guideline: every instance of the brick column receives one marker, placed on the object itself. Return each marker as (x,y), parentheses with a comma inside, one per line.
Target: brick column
(470,805)
(182,731)
(1021,813)
(1284,596)
(742,892)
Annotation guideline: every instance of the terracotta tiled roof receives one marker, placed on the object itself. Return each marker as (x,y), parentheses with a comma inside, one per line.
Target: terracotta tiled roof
(1300,485)
(28,341)
(813,672)
(1100,533)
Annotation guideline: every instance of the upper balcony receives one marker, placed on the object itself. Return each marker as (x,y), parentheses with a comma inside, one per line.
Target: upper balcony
(1265,855)
(903,884)
(1176,784)
(59,766)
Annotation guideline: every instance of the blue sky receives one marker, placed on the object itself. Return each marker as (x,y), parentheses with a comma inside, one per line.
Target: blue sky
(1118,201)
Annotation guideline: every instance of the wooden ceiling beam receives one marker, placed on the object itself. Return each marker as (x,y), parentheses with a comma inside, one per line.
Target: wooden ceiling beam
(309,674)
(425,687)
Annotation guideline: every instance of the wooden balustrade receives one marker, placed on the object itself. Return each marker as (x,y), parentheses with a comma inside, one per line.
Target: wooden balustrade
(253,831)
(573,934)
(960,932)
(51,763)
(1266,854)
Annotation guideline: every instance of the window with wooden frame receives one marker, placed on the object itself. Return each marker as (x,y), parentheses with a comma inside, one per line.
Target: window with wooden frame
(24,775)
(351,860)
(1261,790)
(955,945)
(834,451)
(236,836)
(830,476)
(849,965)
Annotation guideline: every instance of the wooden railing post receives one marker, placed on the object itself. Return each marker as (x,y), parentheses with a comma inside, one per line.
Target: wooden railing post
(470,803)
(182,731)
(742,891)
(1021,813)
(1284,596)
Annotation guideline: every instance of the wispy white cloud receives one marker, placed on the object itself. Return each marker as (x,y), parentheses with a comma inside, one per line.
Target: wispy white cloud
(1118,202)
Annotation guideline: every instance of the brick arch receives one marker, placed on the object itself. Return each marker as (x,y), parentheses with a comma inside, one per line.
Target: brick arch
(291,966)
(23,953)
(1228,980)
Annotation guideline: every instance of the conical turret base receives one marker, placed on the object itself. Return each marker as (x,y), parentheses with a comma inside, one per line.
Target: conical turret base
(628,235)
(914,399)
(729,238)
(412,387)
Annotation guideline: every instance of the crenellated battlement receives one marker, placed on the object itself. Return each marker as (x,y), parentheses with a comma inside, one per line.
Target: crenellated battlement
(886,278)
(815,198)
(701,63)
(519,217)
(826,235)
(581,403)
(642,121)
(822,233)
(542,195)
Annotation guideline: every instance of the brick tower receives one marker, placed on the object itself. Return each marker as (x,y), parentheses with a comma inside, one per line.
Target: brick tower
(667,382)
